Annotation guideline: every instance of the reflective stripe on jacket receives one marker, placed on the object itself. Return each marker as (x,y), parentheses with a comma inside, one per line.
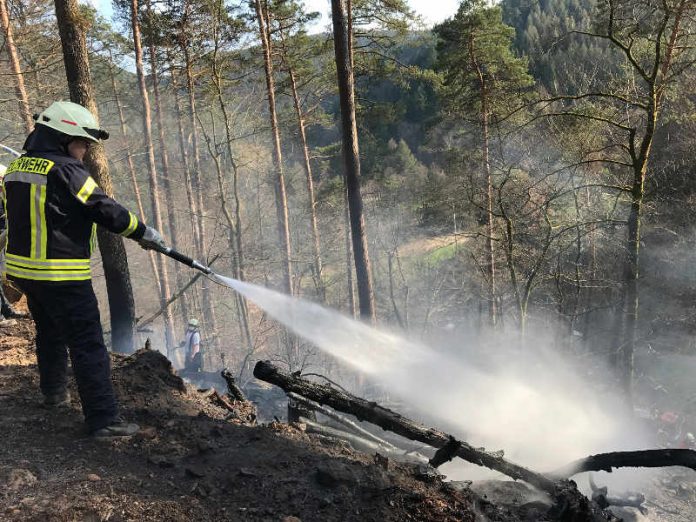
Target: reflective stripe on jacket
(52,207)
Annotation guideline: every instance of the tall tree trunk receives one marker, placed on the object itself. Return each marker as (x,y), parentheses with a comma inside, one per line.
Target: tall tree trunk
(349,252)
(631,273)
(11,48)
(164,158)
(312,204)
(280,193)
(346,212)
(316,244)
(111,247)
(490,259)
(197,186)
(485,149)
(185,160)
(351,158)
(592,274)
(234,223)
(631,302)
(509,243)
(131,169)
(641,157)
(152,170)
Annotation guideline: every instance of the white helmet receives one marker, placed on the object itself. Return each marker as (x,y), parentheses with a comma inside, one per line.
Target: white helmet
(71,119)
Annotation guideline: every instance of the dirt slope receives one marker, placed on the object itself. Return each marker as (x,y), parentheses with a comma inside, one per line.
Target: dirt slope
(189,463)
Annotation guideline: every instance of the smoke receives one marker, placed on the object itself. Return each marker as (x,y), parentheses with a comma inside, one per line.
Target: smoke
(530,403)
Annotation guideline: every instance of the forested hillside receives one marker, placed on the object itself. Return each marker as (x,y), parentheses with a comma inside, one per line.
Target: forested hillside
(525,174)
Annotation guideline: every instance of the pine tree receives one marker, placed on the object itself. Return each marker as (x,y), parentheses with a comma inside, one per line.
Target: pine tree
(480,76)
(351,156)
(297,52)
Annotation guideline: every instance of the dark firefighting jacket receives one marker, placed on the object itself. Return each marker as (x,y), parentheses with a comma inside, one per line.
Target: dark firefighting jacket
(52,208)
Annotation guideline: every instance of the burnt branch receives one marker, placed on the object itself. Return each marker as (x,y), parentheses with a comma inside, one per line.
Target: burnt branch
(655,458)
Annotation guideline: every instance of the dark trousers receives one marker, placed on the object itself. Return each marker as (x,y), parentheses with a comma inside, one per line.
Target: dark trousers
(193,364)
(67,322)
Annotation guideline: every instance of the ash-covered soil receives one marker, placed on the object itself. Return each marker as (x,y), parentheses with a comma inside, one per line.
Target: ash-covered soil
(189,463)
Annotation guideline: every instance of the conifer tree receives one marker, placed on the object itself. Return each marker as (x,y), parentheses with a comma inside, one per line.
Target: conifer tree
(343,37)
(480,77)
(298,54)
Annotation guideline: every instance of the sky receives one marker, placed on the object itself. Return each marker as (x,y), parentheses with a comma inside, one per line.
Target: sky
(432,11)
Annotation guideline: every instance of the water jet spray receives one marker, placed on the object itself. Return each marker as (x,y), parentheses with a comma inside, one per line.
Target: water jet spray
(536,407)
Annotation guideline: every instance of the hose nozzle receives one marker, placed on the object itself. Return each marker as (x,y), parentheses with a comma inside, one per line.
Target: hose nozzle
(186,260)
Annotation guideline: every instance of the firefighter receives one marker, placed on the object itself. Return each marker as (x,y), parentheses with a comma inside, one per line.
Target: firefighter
(53,207)
(192,345)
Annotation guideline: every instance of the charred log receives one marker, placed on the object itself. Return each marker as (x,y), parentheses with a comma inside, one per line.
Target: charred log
(233,390)
(243,411)
(394,422)
(656,458)
(601,496)
(569,504)
(446,453)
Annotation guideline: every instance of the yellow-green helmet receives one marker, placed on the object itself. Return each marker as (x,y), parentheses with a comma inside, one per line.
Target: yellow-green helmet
(193,322)
(72,119)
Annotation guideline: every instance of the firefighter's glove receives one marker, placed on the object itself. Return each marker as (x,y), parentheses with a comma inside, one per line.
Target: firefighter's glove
(152,240)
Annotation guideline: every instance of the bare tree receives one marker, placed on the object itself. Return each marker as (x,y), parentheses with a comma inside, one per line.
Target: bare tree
(294,48)
(164,153)
(280,192)
(232,216)
(654,38)
(130,163)
(152,170)
(195,172)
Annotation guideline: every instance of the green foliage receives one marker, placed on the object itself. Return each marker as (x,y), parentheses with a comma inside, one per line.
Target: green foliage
(561,59)
(476,61)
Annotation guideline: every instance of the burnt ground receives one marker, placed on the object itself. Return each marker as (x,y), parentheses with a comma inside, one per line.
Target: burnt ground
(189,463)
(193,462)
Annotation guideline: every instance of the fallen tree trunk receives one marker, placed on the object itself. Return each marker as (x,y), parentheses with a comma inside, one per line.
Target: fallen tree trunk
(655,458)
(392,421)
(569,504)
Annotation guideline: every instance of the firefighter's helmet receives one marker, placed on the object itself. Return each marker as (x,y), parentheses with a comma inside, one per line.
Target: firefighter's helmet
(71,119)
